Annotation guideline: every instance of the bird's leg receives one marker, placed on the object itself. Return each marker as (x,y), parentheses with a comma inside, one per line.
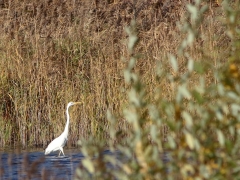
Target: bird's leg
(61,149)
(59,152)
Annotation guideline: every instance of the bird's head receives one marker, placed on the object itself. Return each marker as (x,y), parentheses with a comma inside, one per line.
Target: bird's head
(72,103)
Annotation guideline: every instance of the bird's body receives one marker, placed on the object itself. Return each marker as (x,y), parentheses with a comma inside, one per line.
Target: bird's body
(57,144)
(60,142)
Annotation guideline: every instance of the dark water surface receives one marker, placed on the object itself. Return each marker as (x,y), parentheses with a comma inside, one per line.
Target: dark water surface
(35,165)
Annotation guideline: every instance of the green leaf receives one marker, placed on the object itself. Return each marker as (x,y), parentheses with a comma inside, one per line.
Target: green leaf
(193,11)
(198,67)
(154,113)
(174,62)
(190,37)
(189,140)
(221,89)
(171,142)
(184,91)
(132,41)
(79,172)
(190,65)
(219,114)
(221,138)
(188,119)
(127,76)
(235,109)
(87,163)
(204,9)
(153,133)
(133,98)
(131,63)
(198,97)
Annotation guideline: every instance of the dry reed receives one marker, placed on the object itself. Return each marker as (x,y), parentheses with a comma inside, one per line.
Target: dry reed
(53,52)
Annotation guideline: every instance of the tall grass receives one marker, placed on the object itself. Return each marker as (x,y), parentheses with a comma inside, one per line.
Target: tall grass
(202,113)
(53,52)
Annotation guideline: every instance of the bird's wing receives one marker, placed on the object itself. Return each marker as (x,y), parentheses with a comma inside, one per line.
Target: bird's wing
(57,143)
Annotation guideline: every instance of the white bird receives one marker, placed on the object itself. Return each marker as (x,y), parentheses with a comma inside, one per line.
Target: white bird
(59,142)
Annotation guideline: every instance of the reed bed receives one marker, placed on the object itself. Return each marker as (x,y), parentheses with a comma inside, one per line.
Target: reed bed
(53,52)
(159,83)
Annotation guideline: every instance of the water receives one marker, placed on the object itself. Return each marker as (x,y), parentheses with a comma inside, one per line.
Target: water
(35,165)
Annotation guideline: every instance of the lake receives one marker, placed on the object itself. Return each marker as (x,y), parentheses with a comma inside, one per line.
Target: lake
(35,165)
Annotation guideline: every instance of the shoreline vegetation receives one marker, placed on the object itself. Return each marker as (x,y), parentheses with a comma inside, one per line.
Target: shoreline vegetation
(152,75)
(54,52)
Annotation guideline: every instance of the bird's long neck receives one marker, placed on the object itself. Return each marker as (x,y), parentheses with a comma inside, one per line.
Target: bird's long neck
(67,124)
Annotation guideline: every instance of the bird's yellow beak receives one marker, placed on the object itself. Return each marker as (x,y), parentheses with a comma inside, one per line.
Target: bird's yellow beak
(77,103)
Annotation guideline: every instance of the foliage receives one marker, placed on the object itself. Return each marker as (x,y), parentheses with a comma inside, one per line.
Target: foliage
(202,118)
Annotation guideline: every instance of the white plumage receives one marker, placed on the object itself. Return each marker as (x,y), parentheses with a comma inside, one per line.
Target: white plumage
(60,142)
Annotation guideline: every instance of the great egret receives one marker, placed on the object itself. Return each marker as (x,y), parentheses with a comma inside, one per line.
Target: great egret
(59,142)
